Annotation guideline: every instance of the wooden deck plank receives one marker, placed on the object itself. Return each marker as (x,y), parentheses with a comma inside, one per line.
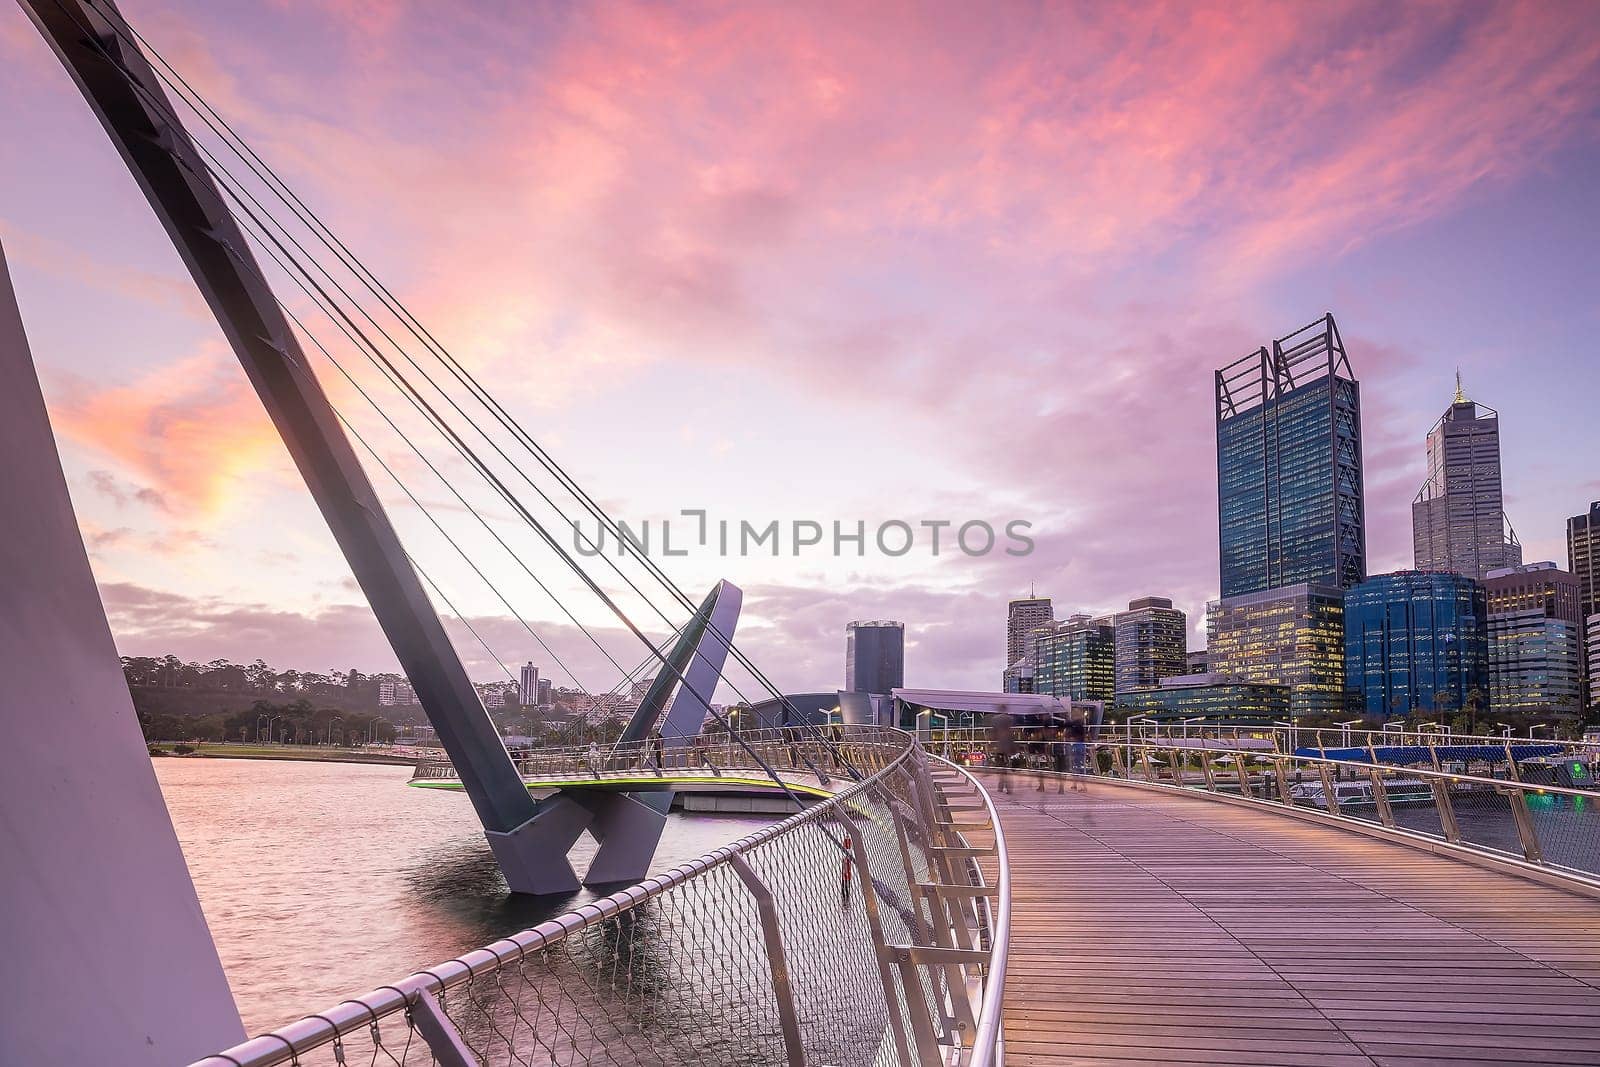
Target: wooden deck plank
(1164,928)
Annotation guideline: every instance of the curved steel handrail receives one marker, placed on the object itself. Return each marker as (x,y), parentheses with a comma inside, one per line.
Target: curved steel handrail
(286,1044)
(988,1034)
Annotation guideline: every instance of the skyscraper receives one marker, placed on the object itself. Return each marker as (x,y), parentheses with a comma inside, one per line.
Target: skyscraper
(1024,618)
(1583,557)
(1535,640)
(1076,659)
(1417,641)
(1289,484)
(1458,520)
(528,687)
(1583,560)
(1292,636)
(1152,643)
(874,657)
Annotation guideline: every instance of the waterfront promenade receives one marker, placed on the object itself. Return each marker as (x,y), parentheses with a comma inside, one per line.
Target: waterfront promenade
(1156,927)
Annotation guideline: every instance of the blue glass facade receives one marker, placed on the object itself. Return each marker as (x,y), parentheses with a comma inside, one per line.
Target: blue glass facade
(1416,641)
(1289,482)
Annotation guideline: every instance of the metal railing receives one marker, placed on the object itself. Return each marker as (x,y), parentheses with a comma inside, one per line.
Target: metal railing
(859,931)
(797,752)
(1533,825)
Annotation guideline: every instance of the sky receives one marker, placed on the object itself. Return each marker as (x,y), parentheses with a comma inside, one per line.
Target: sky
(819,263)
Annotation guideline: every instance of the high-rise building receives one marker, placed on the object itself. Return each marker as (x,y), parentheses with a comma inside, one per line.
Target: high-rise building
(1291,508)
(1583,557)
(1583,560)
(1076,659)
(1292,636)
(1197,661)
(545,692)
(1535,640)
(528,686)
(1591,647)
(874,657)
(1024,619)
(1458,521)
(1152,642)
(1417,641)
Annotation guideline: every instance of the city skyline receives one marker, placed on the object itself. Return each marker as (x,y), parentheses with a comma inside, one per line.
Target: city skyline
(1457,239)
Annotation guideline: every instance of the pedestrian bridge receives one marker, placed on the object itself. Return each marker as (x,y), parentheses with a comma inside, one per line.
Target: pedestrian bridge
(1195,903)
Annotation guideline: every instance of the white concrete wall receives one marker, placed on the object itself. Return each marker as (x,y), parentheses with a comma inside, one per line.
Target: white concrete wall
(105,957)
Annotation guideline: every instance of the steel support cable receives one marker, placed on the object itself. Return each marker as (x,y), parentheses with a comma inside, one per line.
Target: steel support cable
(444,428)
(465,557)
(440,593)
(279,256)
(352,263)
(306,215)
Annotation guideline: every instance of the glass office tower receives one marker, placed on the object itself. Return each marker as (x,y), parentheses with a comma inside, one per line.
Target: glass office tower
(1417,641)
(874,657)
(1292,637)
(1458,521)
(1077,659)
(1152,643)
(1289,481)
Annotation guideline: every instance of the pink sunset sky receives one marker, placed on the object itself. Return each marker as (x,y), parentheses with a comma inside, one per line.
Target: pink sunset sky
(826,262)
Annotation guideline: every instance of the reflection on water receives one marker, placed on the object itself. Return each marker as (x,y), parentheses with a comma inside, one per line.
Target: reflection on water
(322,881)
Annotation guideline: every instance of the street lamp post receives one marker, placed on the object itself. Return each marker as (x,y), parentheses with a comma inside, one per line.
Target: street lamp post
(1505,730)
(1186,722)
(336,719)
(1344,728)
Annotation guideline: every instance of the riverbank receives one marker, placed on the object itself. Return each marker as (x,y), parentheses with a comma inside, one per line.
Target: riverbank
(297,753)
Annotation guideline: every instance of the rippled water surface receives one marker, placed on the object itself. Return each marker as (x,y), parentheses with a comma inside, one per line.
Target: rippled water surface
(322,881)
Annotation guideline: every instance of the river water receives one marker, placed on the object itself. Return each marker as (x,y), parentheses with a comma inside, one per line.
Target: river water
(322,881)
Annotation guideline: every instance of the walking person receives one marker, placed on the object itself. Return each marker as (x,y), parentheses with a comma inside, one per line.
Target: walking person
(1078,738)
(1003,743)
(1058,757)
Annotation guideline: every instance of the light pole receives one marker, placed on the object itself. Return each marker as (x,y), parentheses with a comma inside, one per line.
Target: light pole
(270,721)
(1186,722)
(336,719)
(1394,726)
(1505,730)
(1344,728)
(1536,726)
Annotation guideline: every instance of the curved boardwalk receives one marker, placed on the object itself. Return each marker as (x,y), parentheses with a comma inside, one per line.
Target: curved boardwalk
(1160,928)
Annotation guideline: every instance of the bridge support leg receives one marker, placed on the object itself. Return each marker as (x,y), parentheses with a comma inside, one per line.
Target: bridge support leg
(628,827)
(533,857)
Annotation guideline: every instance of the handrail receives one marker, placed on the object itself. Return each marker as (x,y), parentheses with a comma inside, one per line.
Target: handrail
(987,1040)
(1542,830)
(897,766)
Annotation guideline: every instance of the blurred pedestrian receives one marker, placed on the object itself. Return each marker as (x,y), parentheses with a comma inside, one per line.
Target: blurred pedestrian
(1003,743)
(1078,744)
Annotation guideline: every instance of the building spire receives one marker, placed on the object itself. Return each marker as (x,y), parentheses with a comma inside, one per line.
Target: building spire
(1461,397)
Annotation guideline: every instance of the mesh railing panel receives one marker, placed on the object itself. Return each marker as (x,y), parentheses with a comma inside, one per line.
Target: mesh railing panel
(677,970)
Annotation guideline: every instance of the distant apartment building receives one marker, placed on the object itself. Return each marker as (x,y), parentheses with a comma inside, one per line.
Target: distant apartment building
(874,657)
(1076,659)
(1291,509)
(528,686)
(1458,520)
(1292,637)
(1151,643)
(1536,640)
(396,694)
(546,692)
(1417,641)
(1024,619)
(1197,661)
